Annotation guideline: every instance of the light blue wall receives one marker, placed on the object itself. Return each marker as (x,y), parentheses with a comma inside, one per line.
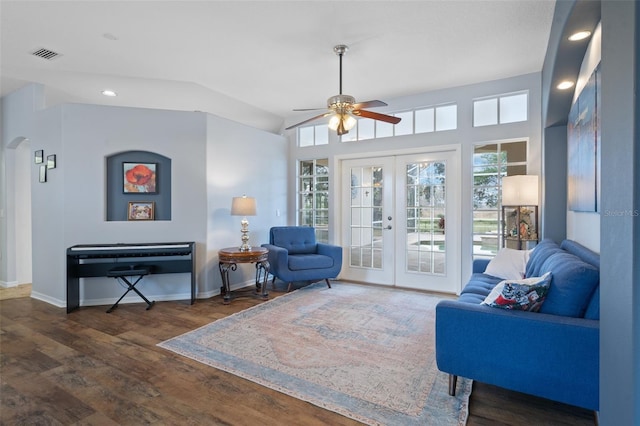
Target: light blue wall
(17,118)
(242,161)
(465,135)
(70,207)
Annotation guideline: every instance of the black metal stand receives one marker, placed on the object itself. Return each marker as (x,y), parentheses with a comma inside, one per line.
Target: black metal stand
(122,274)
(262,273)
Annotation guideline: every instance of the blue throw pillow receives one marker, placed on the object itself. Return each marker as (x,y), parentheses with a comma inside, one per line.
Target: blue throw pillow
(572,286)
(539,254)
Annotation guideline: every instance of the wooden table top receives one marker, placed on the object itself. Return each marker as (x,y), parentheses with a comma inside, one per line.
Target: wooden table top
(235,255)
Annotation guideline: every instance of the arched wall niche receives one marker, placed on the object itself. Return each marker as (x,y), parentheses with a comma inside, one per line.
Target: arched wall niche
(118,200)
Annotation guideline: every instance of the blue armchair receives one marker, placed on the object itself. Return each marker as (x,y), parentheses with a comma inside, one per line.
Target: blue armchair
(294,255)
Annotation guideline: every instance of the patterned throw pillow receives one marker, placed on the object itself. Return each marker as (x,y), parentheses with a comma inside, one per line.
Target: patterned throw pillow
(522,295)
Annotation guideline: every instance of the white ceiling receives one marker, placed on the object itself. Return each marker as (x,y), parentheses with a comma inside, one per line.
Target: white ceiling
(254,61)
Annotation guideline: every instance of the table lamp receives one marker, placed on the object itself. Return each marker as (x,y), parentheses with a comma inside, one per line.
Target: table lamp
(244,206)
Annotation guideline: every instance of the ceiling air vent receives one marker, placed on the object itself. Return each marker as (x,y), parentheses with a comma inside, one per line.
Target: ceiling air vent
(45,53)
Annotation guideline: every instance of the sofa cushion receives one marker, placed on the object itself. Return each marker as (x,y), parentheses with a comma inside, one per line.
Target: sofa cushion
(572,285)
(481,284)
(522,295)
(476,299)
(508,264)
(593,308)
(538,255)
(298,262)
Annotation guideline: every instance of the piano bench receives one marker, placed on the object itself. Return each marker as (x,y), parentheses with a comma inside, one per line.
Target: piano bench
(121,273)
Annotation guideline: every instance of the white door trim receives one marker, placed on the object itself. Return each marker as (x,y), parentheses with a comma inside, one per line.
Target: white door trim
(336,204)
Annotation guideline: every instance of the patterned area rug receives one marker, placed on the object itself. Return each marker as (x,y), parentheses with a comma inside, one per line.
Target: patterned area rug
(361,351)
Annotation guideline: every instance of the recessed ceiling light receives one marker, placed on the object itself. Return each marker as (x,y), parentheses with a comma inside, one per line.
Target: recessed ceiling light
(565,85)
(109,93)
(580,35)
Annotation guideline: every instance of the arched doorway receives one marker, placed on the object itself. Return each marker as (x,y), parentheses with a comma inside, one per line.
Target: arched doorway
(18,249)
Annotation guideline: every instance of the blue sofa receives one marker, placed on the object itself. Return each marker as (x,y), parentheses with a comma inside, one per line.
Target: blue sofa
(553,353)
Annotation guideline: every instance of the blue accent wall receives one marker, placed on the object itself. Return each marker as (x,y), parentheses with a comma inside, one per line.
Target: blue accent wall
(118,200)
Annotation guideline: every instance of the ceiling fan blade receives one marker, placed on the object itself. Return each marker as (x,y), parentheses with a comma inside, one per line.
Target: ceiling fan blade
(310,119)
(309,109)
(377,116)
(369,104)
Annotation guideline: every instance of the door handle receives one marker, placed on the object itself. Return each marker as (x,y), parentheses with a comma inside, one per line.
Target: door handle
(388,227)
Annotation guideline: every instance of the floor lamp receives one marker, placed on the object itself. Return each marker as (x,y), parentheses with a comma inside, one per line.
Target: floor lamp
(519,209)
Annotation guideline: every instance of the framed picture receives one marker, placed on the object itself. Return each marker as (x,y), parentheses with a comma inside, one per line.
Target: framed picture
(43,174)
(51,161)
(38,156)
(141,210)
(139,178)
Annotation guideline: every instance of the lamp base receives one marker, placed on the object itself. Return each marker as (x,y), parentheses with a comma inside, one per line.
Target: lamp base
(245,237)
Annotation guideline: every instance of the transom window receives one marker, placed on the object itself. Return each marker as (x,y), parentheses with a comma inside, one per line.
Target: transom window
(501,109)
(422,120)
(313,135)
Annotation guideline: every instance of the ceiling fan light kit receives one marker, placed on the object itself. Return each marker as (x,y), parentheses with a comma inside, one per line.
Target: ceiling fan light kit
(343,108)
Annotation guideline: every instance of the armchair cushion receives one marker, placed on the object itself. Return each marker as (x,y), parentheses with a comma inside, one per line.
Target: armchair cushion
(299,262)
(296,240)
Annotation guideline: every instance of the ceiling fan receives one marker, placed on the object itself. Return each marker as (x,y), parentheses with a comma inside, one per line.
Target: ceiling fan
(343,108)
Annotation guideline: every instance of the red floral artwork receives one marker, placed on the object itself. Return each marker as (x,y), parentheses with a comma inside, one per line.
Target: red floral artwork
(139,177)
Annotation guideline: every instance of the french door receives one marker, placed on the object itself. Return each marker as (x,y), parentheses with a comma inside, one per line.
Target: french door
(401,221)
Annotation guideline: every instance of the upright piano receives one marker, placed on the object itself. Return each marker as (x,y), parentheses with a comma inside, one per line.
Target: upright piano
(85,261)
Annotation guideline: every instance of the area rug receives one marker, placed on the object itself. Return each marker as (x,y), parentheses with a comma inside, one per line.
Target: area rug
(362,351)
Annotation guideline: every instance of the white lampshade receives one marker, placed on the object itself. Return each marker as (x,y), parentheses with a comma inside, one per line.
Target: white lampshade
(348,121)
(520,190)
(243,206)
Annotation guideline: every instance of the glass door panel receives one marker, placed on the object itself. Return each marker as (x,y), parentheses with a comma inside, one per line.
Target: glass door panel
(428,250)
(368,198)
(401,220)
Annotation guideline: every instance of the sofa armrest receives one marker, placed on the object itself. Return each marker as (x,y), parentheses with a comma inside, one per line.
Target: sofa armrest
(550,356)
(278,257)
(479,265)
(335,252)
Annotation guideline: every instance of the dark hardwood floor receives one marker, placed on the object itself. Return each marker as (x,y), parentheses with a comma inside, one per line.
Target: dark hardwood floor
(93,368)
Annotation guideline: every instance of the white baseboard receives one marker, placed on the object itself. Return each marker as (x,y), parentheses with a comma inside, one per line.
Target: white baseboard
(7,284)
(134,298)
(51,300)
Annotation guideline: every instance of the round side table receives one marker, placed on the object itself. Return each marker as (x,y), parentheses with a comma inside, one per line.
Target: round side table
(229,258)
